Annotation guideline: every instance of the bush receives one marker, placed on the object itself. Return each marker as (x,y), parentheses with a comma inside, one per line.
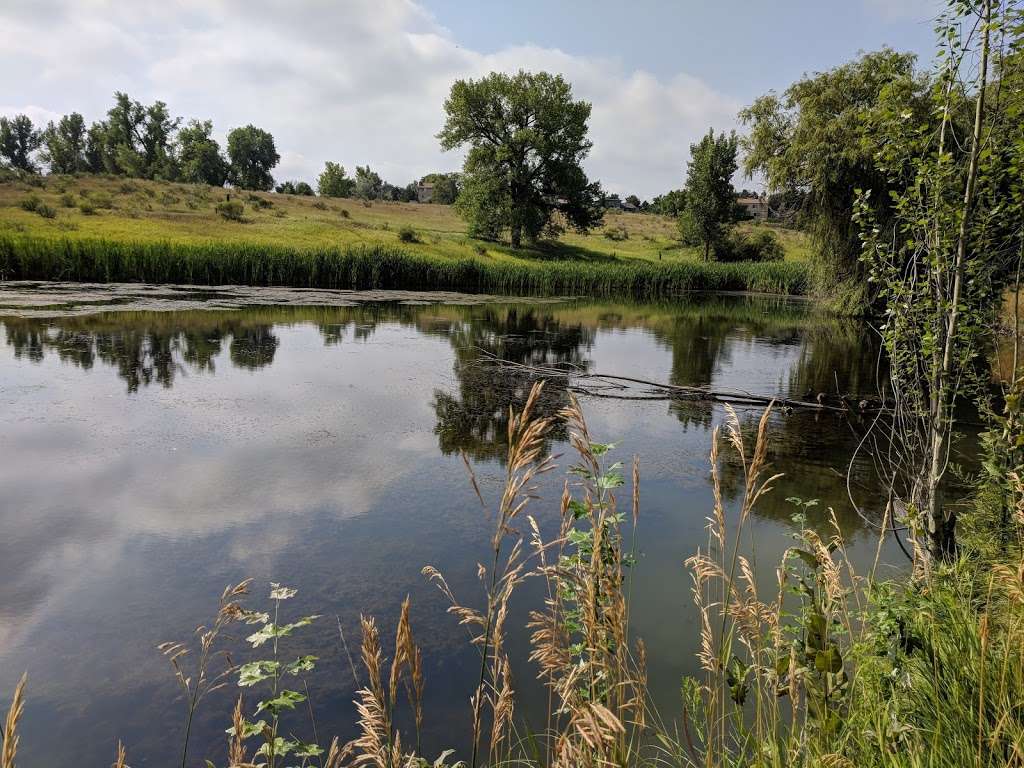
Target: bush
(321,205)
(67,200)
(231,210)
(46,211)
(479,249)
(86,208)
(102,200)
(408,235)
(260,202)
(344,213)
(30,203)
(616,233)
(761,245)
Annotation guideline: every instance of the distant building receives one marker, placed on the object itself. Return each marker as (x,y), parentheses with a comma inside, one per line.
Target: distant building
(755,207)
(613,202)
(424,192)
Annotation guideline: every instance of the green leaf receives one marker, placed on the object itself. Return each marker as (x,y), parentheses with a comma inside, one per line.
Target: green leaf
(257,671)
(301,664)
(271,630)
(249,729)
(600,449)
(609,481)
(284,700)
(277,592)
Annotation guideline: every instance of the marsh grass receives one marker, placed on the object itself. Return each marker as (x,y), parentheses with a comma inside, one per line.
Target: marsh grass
(363,267)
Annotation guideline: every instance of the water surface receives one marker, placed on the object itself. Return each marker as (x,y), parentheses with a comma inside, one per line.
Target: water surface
(153,453)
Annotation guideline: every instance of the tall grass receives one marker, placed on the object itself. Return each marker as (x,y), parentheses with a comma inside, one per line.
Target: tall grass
(378,267)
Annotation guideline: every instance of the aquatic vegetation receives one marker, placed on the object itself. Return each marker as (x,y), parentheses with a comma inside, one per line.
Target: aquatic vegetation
(379,266)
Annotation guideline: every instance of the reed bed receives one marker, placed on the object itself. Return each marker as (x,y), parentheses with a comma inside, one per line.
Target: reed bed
(365,267)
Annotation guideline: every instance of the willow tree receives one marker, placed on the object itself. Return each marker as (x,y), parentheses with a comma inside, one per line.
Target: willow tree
(939,259)
(523,173)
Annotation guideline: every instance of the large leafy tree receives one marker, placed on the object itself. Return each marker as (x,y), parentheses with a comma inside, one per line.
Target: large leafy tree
(137,139)
(199,156)
(64,145)
(368,184)
(447,187)
(817,141)
(527,138)
(18,140)
(333,182)
(253,155)
(710,196)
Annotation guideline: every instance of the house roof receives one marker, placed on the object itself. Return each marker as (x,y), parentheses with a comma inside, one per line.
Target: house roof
(427,185)
(750,201)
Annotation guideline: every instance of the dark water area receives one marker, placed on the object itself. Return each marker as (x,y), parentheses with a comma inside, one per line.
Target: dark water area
(149,458)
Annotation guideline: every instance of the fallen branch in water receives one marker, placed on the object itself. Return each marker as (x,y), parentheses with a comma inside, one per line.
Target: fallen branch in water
(618,387)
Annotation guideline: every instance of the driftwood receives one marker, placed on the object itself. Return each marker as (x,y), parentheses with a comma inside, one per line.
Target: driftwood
(625,388)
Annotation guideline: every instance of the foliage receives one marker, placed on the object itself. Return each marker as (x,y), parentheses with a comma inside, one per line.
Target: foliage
(762,245)
(936,262)
(252,156)
(527,138)
(709,193)
(64,145)
(18,140)
(368,184)
(447,187)
(616,233)
(136,140)
(334,183)
(672,203)
(407,234)
(817,140)
(199,155)
(231,210)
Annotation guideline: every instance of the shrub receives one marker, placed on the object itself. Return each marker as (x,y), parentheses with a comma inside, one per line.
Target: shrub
(616,233)
(103,200)
(67,200)
(46,211)
(260,203)
(128,188)
(231,210)
(86,208)
(344,213)
(408,235)
(479,249)
(30,203)
(761,245)
(320,205)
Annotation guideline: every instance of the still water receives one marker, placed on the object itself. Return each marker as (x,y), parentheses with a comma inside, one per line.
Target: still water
(155,449)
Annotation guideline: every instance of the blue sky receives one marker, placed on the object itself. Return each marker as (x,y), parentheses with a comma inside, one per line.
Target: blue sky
(363,81)
(740,47)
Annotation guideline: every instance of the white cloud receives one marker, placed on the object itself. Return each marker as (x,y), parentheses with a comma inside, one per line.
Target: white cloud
(355,82)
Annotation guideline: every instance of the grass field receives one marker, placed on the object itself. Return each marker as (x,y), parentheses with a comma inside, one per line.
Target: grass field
(65,214)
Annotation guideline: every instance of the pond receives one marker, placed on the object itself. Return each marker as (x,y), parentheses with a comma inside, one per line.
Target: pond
(158,444)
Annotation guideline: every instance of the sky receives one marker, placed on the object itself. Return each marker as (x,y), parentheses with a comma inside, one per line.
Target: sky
(364,81)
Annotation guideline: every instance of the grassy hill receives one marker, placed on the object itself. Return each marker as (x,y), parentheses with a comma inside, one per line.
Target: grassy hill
(90,213)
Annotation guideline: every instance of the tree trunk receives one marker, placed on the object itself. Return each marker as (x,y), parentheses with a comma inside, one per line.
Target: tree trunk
(941,522)
(516,234)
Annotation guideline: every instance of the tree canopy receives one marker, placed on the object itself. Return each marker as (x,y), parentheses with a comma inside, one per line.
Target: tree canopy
(18,140)
(709,193)
(334,183)
(64,145)
(527,138)
(817,141)
(252,155)
(199,156)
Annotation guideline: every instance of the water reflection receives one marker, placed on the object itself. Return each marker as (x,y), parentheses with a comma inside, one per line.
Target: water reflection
(316,446)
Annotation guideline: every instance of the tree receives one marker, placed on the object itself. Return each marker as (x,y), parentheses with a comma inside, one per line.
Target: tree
(303,189)
(18,140)
(334,183)
(64,145)
(633,200)
(137,139)
(368,184)
(709,193)
(818,139)
(671,203)
(252,155)
(199,156)
(940,256)
(446,187)
(95,144)
(527,138)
